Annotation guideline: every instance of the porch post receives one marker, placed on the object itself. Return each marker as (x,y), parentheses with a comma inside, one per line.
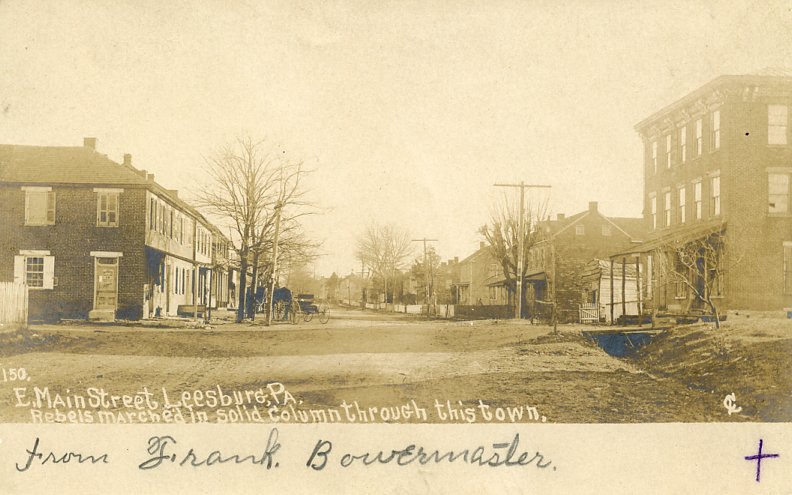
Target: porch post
(624,287)
(612,301)
(638,286)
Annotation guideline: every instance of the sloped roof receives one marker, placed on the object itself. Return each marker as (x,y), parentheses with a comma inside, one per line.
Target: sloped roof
(774,72)
(63,165)
(78,165)
(676,236)
(635,227)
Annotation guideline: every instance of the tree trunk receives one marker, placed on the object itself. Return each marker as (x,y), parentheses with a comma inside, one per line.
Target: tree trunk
(714,314)
(243,264)
(251,311)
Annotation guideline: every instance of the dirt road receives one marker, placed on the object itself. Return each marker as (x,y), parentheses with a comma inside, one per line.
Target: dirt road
(375,360)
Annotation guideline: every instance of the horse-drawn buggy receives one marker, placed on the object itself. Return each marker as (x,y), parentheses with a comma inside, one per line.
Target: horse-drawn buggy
(289,308)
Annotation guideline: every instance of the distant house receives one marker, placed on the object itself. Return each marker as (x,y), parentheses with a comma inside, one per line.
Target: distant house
(93,238)
(569,245)
(476,280)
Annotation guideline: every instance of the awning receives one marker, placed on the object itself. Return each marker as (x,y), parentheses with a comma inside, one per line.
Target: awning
(678,236)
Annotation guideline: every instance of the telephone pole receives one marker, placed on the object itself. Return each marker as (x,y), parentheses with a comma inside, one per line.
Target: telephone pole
(363,285)
(278,208)
(426,269)
(520,257)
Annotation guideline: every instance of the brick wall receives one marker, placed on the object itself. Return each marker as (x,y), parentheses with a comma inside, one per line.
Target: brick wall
(755,239)
(71,241)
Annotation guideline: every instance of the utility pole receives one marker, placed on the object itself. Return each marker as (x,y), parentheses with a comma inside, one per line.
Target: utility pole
(426,269)
(520,257)
(363,285)
(278,208)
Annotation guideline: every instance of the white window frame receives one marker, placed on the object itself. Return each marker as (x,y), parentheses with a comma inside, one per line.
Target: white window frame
(607,231)
(715,131)
(654,156)
(580,229)
(49,202)
(653,209)
(699,137)
(669,151)
(697,199)
(111,195)
(667,208)
(682,144)
(681,204)
(715,195)
(783,193)
(777,125)
(48,269)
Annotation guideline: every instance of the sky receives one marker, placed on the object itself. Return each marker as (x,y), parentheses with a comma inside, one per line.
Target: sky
(406,112)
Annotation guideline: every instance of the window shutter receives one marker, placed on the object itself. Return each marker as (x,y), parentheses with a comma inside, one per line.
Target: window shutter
(49,272)
(27,208)
(51,207)
(19,269)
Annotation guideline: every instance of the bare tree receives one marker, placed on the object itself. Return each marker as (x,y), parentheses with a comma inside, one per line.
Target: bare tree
(250,185)
(502,233)
(698,266)
(425,272)
(384,249)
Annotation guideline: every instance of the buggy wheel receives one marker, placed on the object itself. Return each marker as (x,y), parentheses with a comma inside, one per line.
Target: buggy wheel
(308,317)
(324,317)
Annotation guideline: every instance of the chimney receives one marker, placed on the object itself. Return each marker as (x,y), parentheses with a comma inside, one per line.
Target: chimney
(150,177)
(142,173)
(560,217)
(593,206)
(456,259)
(127,159)
(89,142)
(481,244)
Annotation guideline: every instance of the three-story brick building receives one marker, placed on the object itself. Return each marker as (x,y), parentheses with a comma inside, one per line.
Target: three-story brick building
(717,166)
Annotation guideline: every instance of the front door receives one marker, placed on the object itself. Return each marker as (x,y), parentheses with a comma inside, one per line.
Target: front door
(106,282)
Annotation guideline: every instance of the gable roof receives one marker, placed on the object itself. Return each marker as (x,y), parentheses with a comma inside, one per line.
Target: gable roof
(631,227)
(80,165)
(64,165)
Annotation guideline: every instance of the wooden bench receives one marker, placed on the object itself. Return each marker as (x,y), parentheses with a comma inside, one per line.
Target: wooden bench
(188,310)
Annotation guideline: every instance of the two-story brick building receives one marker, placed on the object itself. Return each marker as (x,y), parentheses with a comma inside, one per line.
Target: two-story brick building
(97,239)
(718,166)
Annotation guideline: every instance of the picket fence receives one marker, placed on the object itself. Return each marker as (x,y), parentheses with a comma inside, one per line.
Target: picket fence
(14,307)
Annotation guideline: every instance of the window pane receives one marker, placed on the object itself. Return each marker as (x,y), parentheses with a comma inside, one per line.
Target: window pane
(34,272)
(777,114)
(778,183)
(776,124)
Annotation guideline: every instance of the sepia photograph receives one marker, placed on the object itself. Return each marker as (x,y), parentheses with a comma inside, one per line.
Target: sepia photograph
(439,217)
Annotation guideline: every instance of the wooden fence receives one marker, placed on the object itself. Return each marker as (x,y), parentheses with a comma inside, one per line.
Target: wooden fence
(14,303)
(589,313)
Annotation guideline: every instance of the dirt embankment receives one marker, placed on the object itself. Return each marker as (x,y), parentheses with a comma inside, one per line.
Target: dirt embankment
(749,357)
